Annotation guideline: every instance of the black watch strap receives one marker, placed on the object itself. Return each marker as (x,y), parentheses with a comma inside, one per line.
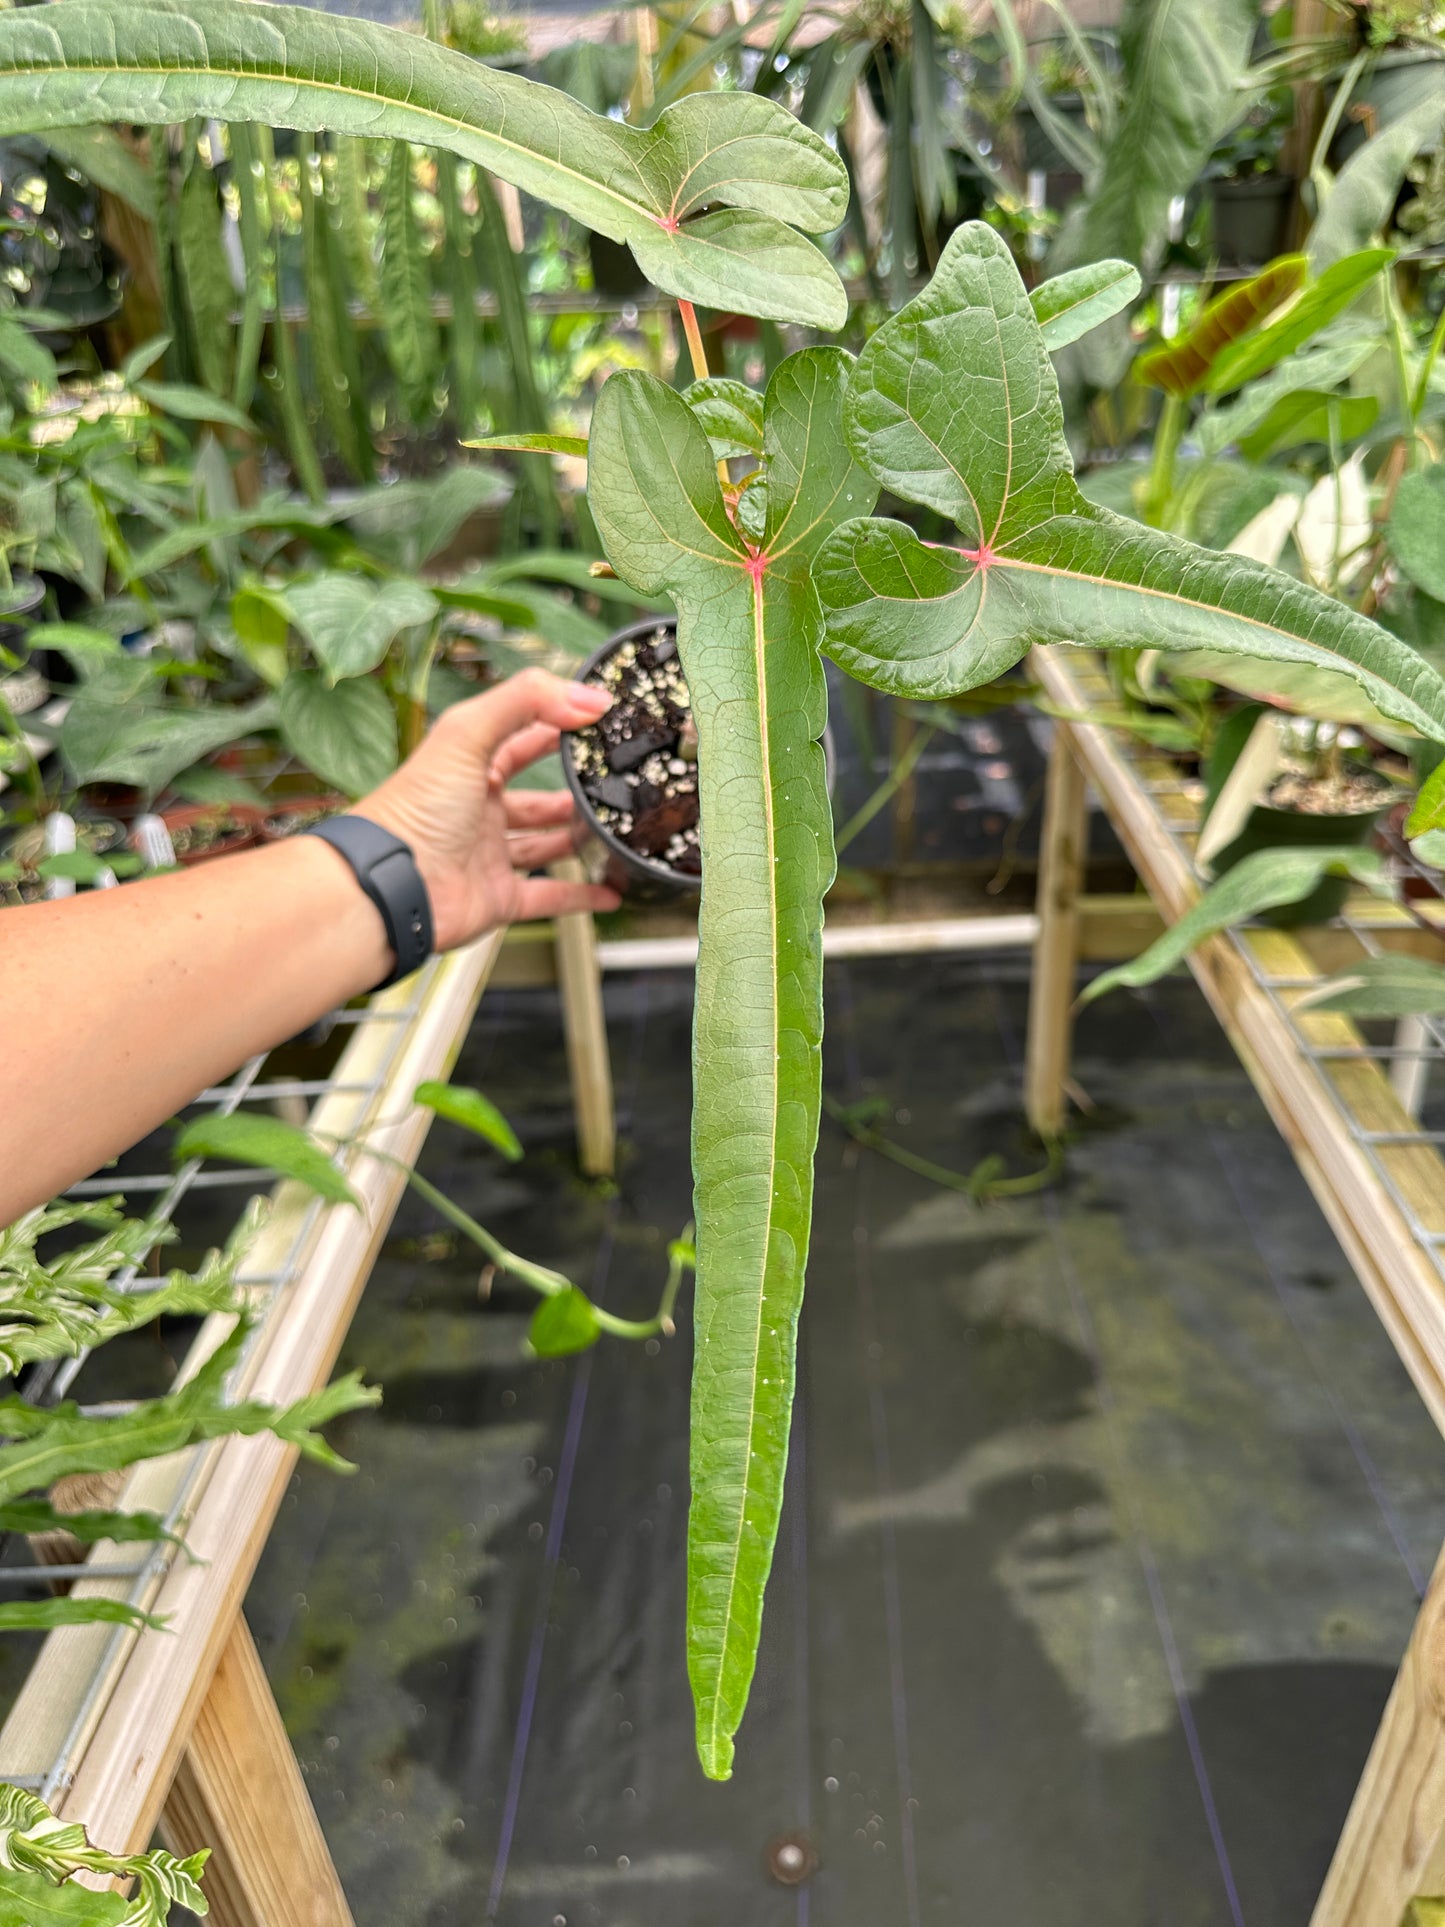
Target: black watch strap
(386,869)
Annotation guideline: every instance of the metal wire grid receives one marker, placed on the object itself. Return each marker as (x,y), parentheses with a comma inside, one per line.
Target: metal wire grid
(1425,1044)
(171,1189)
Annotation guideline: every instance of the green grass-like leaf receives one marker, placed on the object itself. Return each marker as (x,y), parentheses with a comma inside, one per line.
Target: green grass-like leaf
(1265,880)
(1069,305)
(43,1615)
(1388,986)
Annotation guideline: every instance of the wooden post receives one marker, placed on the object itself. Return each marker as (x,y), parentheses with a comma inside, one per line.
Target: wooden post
(240,1792)
(580,976)
(1056,948)
(1392,1851)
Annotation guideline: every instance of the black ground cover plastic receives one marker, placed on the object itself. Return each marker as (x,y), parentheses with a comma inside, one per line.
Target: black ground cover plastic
(1109,1510)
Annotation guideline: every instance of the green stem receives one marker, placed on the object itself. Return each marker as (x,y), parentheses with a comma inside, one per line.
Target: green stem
(1432,355)
(886,791)
(1398,353)
(285,381)
(548,1284)
(978,1184)
(1159,485)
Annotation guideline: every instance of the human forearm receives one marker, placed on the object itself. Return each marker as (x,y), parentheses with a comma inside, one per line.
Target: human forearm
(121,1004)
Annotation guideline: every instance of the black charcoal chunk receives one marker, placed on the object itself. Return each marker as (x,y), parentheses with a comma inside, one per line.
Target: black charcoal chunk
(636,749)
(613,791)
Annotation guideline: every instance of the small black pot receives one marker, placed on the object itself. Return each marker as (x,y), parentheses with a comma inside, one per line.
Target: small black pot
(1251,218)
(642,878)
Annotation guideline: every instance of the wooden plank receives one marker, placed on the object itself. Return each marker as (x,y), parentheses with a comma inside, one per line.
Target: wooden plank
(240,1792)
(129,1702)
(1056,948)
(584,1024)
(1392,1850)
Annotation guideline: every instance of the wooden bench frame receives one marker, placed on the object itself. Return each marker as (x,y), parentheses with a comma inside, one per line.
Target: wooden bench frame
(1376,1197)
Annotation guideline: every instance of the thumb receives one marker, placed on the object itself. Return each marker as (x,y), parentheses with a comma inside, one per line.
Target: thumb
(483,723)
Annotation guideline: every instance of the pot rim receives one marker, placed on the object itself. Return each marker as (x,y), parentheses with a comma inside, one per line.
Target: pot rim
(663,872)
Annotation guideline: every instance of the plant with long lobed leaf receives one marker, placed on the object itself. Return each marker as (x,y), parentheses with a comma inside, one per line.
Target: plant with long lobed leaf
(953,405)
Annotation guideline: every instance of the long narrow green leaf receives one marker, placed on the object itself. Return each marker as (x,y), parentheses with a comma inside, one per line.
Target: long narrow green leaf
(101,156)
(708,197)
(459,261)
(43,1615)
(206,277)
(254,225)
(125,1528)
(748,634)
(328,330)
(270,1143)
(954,405)
(1068,305)
(1265,880)
(409,328)
(519,406)
(1388,986)
(353,162)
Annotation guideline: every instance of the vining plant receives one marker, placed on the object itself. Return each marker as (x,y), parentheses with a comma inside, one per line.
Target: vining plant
(952,408)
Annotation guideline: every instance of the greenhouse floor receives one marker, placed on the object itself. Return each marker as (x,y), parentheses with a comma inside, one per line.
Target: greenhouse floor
(1109,1511)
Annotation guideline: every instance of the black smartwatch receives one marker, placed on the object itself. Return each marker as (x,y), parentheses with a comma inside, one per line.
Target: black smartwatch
(386,870)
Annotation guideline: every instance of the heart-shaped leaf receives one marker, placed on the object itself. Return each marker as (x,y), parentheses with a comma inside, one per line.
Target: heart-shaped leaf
(748,634)
(954,405)
(271,1144)
(1070,304)
(347,735)
(350,622)
(109,739)
(708,197)
(563,1324)
(460,1104)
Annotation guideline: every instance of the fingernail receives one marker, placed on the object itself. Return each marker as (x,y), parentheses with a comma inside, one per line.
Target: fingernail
(598,699)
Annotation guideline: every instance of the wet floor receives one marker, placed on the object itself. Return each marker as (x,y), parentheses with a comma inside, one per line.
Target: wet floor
(1109,1510)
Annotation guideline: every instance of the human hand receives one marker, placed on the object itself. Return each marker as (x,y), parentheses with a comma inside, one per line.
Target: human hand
(473,839)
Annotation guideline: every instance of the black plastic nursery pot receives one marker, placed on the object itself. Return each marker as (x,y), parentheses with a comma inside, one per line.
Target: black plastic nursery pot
(635,792)
(1251,218)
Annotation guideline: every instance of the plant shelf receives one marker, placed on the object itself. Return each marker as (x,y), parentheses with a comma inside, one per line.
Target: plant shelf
(1344,1106)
